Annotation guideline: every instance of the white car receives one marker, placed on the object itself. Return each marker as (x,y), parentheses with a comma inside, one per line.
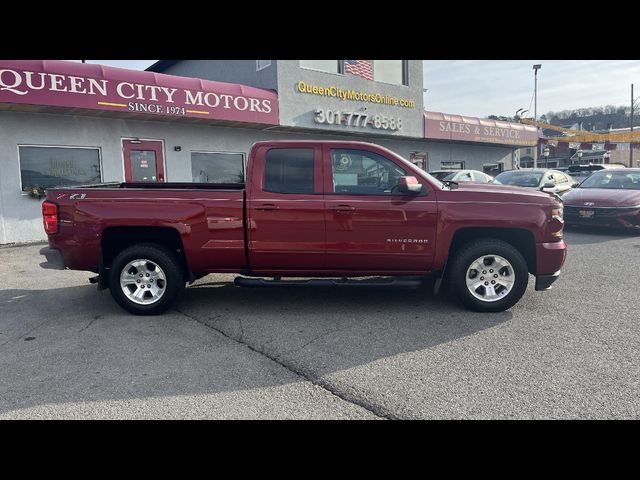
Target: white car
(462,176)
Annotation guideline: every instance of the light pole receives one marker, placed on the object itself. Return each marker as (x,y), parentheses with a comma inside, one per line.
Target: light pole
(545,152)
(535,109)
(633,102)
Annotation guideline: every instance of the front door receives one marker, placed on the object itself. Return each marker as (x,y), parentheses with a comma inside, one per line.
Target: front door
(370,225)
(143,161)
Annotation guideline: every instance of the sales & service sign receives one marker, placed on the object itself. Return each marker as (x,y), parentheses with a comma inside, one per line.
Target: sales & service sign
(454,127)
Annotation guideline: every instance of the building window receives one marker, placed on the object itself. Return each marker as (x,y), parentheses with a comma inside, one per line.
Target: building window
(215,167)
(289,170)
(390,71)
(260,64)
(452,165)
(493,169)
(330,66)
(58,166)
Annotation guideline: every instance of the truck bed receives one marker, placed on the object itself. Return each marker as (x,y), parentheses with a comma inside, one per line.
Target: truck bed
(208,217)
(157,186)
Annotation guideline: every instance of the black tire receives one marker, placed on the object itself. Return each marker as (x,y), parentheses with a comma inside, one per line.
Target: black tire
(166,260)
(467,254)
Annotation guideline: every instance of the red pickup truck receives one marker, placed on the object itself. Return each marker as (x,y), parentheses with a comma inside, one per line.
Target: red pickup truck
(324,209)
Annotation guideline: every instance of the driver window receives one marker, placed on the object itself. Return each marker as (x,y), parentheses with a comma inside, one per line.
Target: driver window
(358,172)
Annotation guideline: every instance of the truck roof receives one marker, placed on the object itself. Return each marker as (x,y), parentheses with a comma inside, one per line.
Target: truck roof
(350,142)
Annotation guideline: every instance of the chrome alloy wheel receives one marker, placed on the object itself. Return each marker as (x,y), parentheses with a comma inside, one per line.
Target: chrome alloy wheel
(143,281)
(490,278)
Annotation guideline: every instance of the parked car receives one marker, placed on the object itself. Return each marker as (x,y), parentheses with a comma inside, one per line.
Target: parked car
(323,209)
(462,176)
(546,180)
(609,197)
(582,172)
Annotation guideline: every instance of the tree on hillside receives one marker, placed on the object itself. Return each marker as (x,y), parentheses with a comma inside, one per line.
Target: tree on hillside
(594,118)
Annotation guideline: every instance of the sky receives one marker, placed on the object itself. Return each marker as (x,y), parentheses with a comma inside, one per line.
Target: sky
(480,88)
(500,87)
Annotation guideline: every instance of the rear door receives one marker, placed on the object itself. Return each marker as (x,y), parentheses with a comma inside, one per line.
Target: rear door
(285,209)
(371,227)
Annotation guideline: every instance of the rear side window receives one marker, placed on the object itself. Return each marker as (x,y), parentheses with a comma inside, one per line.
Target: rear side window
(480,177)
(464,177)
(289,170)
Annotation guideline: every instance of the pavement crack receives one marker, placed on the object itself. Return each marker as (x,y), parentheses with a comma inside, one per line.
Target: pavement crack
(18,337)
(376,410)
(314,339)
(241,329)
(89,324)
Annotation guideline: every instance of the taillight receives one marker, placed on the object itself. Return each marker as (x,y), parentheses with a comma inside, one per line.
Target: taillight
(50,217)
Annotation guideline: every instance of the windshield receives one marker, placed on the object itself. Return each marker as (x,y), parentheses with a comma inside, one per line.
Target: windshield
(520,178)
(585,168)
(613,180)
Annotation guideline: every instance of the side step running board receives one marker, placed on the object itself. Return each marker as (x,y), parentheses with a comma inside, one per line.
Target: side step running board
(404,282)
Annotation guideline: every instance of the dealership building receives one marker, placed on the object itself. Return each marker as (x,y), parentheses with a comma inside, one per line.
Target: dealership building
(68,123)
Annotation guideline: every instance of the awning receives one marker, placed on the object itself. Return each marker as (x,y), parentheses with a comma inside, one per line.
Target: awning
(90,87)
(443,126)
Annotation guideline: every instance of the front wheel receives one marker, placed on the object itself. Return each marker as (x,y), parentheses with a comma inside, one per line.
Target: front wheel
(488,275)
(146,279)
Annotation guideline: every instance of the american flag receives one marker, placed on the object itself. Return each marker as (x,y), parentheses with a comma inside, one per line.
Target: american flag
(359,68)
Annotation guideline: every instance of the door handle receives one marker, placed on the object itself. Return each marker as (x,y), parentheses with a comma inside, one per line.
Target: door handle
(267,207)
(343,208)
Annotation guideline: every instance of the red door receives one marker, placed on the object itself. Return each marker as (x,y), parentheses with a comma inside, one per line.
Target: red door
(285,209)
(143,161)
(370,226)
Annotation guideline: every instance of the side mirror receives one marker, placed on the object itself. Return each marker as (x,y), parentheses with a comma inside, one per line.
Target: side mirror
(548,185)
(409,185)
(575,185)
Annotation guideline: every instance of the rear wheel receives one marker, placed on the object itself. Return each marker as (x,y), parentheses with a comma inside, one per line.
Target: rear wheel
(146,279)
(488,275)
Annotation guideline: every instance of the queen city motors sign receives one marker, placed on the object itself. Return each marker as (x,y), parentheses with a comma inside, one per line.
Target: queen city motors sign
(75,85)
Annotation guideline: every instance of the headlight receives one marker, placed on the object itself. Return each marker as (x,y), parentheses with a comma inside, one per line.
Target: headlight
(556,222)
(556,214)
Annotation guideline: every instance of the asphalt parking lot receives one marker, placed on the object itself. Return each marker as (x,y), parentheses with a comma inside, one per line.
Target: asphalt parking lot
(68,351)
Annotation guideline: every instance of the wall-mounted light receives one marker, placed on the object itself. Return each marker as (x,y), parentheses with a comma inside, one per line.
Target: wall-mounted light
(177,148)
